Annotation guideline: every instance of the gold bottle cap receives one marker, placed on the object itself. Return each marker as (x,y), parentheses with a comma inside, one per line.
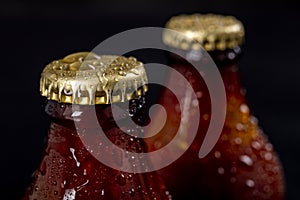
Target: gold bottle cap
(210,31)
(87,78)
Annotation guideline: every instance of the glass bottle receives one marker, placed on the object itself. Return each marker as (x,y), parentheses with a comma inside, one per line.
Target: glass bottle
(79,89)
(243,163)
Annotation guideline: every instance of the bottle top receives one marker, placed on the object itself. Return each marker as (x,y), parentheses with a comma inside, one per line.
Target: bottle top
(87,78)
(210,31)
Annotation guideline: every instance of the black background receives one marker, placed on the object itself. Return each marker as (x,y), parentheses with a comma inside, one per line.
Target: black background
(34,33)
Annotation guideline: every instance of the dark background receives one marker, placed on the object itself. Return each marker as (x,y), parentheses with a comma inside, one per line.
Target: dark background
(34,33)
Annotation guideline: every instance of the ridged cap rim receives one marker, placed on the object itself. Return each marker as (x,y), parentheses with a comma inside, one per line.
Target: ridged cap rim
(87,78)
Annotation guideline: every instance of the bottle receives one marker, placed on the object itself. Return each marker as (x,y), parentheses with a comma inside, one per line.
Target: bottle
(242,163)
(81,90)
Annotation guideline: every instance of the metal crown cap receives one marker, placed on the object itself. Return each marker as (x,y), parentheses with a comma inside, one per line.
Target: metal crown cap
(87,78)
(210,31)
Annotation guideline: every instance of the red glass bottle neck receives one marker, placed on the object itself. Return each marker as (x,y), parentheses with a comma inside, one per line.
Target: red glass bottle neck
(71,114)
(227,62)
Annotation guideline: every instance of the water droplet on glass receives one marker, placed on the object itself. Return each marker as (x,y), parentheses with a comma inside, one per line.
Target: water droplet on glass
(199,94)
(243,91)
(231,55)
(195,102)
(269,147)
(253,120)
(205,116)
(221,170)
(69,194)
(76,113)
(74,157)
(238,140)
(68,92)
(120,179)
(217,154)
(246,160)
(244,108)
(131,192)
(256,145)
(268,156)
(240,127)
(250,183)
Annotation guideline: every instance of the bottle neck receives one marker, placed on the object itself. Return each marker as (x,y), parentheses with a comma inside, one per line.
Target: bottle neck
(71,115)
(227,62)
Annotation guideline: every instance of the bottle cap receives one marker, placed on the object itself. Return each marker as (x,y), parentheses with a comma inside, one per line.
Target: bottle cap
(87,78)
(210,31)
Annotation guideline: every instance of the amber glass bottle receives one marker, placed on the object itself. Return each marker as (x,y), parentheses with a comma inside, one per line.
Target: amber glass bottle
(80,95)
(243,163)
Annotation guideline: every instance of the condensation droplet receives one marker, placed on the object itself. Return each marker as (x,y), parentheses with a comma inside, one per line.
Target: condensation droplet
(195,103)
(205,116)
(73,154)
(217,154)
(69,194)
(120,179)
(244,108)
(62,185)
(102,192)
(240,127)
(76,113)
(250,183)
(256,145)
(199,94)
(231,55)
(68,92)
(129,178)
(243,91)
(268,156)
(131,192)
(253,120)
(238,140)
(246,160)
(276,169)
(221,170)
(269,147)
